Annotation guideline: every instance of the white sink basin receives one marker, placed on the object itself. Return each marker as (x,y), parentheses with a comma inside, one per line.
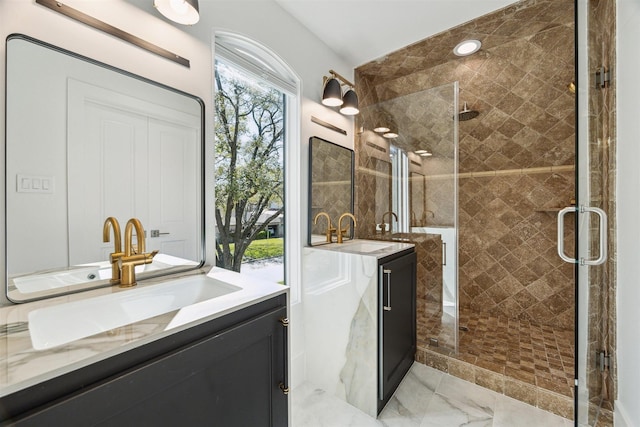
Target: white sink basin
(367,246)
(60,324)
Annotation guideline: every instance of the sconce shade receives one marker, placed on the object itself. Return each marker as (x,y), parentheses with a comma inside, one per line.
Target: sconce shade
(185,12)
(332,94)
(350,103)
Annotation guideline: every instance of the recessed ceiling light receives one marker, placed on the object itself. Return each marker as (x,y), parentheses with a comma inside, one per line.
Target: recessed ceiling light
(420,151)
(467,47)
(426,154)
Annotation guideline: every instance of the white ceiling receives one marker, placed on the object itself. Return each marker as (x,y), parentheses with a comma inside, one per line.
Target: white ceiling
(363,30)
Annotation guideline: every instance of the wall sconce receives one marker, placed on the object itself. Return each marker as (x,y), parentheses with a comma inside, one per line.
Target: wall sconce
(332,94)
(184,12)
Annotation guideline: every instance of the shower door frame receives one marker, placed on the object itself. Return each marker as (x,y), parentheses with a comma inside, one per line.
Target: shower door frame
(584,232)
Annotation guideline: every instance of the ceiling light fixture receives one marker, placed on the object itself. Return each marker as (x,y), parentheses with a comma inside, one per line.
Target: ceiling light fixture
(467,47)
(390,135)
(332,94)
(185,12)
(381,129)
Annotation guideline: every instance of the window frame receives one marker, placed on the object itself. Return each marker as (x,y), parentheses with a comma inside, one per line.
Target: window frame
(264,65)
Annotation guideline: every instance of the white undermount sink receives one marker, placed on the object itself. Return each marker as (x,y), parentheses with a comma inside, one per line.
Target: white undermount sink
(61,324)
(367,246)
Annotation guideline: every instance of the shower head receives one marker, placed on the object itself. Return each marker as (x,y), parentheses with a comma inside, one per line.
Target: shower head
(467,114)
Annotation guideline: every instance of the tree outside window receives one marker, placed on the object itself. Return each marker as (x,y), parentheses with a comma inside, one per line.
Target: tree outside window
(249,188)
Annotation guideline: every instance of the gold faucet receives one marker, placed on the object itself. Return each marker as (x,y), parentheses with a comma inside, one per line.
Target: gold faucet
(133,256)
(117,246)
(342,231)
(383,225)
(330,228)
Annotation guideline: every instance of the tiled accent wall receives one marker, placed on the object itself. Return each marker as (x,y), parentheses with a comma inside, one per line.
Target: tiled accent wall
(523,138)
(509,264)
(602,153)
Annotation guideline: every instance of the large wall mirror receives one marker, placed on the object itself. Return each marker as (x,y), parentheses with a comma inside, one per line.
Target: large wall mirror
(331,172)
(86,141)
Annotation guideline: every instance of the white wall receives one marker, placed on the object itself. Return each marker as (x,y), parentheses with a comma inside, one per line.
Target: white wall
(628,196)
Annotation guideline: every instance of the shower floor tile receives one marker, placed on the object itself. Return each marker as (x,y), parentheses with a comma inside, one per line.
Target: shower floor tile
(536,354)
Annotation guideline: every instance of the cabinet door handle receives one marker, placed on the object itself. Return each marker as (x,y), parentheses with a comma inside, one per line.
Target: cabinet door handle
(388,306)
(444,253)
(284,321)
(284,388)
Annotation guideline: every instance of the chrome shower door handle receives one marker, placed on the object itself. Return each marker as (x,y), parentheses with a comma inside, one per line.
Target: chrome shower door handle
(602,256)
(560,242)
(602,223)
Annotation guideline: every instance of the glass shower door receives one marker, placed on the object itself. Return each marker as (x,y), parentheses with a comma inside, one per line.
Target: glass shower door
(595,295)
(408,161)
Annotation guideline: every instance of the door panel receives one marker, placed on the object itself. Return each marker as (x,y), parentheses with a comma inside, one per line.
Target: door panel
(173,209)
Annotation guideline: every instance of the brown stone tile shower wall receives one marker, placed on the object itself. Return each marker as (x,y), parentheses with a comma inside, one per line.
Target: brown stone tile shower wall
(515,159)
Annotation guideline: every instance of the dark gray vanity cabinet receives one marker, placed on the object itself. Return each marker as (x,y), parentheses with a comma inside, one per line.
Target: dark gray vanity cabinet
(397,322)
(222,373)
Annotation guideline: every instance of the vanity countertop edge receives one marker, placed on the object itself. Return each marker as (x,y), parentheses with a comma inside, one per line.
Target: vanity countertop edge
(386,248)
(22,366)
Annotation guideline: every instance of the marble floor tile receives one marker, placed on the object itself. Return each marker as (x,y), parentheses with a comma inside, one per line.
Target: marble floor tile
(447,412)
(313,407)
(408,406)
(426,397)
(511,412)
(469,394)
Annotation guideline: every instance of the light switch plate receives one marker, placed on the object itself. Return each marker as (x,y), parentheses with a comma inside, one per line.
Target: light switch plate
(35,184)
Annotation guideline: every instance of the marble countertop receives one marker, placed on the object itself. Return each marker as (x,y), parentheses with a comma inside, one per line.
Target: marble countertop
(22,366)
(374,248)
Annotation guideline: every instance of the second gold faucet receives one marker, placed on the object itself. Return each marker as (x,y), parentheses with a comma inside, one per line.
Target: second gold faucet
(133,256)
(341,231)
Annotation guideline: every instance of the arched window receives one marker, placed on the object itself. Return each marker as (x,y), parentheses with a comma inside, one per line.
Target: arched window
(257,214)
